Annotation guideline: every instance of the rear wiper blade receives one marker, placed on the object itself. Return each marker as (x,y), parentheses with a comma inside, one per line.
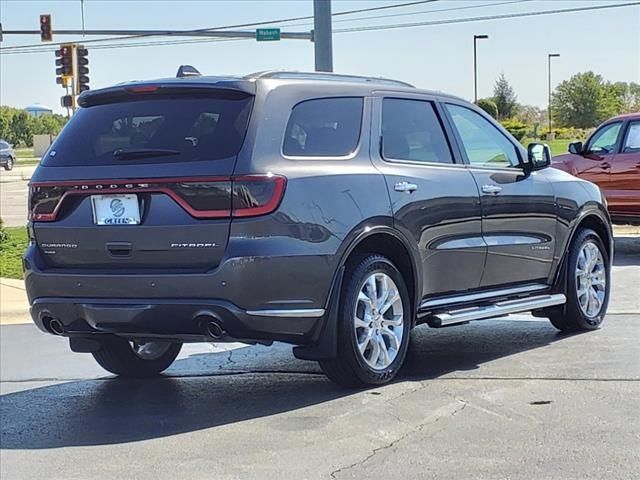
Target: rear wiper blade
(125,153)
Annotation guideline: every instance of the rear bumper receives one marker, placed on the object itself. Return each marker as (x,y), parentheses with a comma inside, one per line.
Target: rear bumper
(180,320)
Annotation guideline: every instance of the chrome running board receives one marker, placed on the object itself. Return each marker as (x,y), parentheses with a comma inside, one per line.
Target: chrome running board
(498,309)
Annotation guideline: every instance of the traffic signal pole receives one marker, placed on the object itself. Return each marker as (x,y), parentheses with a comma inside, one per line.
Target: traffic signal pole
(322,35)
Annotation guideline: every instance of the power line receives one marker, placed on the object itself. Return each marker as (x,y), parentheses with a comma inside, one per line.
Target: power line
(368,28)
(156,43)
(420,12)
(362,28)
(226,27)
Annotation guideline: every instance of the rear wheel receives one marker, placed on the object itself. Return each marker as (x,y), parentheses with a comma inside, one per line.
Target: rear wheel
(9,165)
(587,285)
(136,359)
(373,325)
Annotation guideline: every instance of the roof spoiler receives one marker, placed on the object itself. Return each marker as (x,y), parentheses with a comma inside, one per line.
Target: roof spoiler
(187,71)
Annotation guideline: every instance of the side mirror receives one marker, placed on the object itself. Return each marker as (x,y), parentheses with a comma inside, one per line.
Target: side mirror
(539,156)
(576,148)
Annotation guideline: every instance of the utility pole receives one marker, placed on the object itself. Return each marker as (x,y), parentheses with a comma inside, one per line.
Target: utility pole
(322,35)
(475,64)
(549,57)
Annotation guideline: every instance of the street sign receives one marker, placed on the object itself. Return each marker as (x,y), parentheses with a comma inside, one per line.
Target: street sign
(267,34)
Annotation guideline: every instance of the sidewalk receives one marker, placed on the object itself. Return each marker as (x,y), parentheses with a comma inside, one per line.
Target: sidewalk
(14,307)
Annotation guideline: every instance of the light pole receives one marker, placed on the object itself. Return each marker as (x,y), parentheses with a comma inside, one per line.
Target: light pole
(475,64)
(549,56)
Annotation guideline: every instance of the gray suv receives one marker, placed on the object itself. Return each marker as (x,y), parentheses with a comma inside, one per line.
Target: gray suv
(331,212)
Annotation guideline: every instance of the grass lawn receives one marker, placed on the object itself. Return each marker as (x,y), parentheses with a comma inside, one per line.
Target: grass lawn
(11,250)
(24,156)
(558,147)
(24,152)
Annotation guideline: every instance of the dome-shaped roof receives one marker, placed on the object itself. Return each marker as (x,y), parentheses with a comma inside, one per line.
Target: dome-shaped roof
(38,107)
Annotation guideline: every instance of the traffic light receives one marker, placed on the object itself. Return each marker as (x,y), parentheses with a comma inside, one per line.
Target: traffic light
(64,64)
(46,35)
(66,101)
(82,58)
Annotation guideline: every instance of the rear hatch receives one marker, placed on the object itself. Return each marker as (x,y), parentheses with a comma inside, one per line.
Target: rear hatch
(141,178)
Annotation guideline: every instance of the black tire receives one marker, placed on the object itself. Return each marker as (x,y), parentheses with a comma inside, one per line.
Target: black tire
(571,317)
(9,165)
(118,356)
(349,368)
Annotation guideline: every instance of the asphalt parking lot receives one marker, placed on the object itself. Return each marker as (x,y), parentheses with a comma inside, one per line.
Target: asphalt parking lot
(499,399)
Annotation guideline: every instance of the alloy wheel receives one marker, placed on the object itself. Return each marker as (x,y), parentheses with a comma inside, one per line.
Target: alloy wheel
(379,321)
(590,279)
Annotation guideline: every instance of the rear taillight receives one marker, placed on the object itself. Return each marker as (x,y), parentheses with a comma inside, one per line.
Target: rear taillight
(242,196)
(255,195)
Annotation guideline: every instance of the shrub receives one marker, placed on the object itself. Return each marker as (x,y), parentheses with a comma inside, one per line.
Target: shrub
(515,128)
(489,106)
(4,236)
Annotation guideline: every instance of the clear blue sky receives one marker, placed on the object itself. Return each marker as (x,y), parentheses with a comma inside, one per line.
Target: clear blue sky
(435,57)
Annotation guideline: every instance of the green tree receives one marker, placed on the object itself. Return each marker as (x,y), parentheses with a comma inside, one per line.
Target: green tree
(6,115)
(489,106)
(18,127)
(584,101)
(21,132)
(629,94)
(505,98)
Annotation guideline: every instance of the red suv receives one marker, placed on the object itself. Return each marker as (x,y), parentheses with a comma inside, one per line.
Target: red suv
(611,159)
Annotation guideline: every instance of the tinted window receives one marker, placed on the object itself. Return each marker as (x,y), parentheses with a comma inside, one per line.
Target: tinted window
(197,128)
(326,127)
(411,131)
(3,145)
(483,143)
(632,142)
(604,140)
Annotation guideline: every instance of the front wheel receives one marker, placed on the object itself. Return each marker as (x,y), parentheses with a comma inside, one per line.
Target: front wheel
(9,165)
(136,359)
(374,321)
(588,284)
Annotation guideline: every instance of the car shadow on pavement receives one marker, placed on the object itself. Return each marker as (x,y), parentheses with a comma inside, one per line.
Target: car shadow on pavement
(632,252)
(113,411)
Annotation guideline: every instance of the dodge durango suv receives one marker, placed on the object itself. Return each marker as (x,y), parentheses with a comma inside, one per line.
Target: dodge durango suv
(331,212)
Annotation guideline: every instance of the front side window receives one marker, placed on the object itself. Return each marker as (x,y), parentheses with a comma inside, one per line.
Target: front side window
(632,142)
(411,131)
(483,143)
(324,127)
(604,140)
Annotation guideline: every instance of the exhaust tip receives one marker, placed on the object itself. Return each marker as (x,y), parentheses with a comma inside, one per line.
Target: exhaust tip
(55,326)
(214,330)
(211,326)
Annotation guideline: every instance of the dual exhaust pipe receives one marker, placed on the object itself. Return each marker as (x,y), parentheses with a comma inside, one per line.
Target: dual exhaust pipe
(211,326)
(54,325)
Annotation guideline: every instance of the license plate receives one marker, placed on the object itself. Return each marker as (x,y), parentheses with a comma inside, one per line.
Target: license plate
(115,209)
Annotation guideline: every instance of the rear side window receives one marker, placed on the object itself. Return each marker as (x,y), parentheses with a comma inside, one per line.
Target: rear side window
(181,128)
(324,127)
(411,131)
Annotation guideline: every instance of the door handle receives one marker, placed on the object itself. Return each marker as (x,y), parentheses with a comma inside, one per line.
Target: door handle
(405,187)
(605,165)
(492,189)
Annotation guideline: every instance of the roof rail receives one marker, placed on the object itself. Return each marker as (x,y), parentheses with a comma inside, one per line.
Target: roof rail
(337,77)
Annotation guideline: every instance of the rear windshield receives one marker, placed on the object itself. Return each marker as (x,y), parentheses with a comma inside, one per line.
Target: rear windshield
(178,129)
